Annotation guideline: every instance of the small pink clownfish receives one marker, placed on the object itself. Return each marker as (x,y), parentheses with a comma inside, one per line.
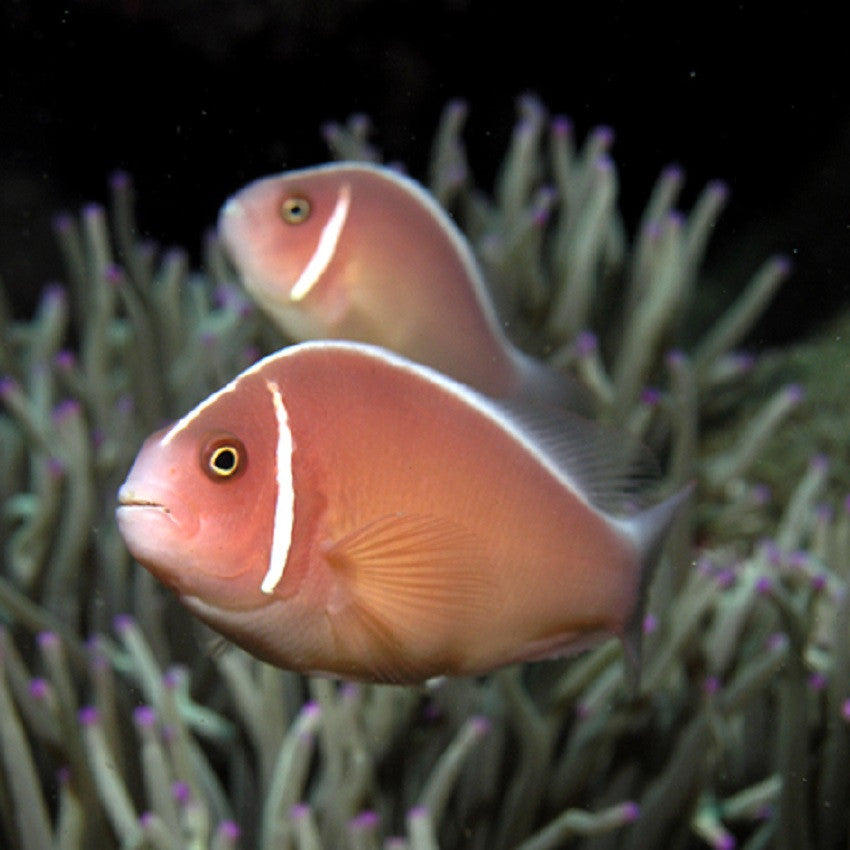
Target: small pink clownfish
(339,509)
(360,252)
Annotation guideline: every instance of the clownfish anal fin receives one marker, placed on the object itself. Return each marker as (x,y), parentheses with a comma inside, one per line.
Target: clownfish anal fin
(410,579)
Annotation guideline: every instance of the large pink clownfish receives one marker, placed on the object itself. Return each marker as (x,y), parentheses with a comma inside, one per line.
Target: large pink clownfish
(337,508)
(360,252)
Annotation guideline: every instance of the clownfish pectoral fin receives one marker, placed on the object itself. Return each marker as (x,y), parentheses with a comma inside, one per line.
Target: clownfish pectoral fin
(412,578)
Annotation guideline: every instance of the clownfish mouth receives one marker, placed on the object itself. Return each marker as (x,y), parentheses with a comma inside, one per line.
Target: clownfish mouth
(128,499)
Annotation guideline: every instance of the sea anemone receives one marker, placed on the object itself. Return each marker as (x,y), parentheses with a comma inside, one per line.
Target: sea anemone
(124,723)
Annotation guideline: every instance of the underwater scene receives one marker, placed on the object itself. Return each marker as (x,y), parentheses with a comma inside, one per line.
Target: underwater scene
(491,527)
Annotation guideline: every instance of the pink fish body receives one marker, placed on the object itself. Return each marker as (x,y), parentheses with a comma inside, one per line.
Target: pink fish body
(360,252)
(339,509)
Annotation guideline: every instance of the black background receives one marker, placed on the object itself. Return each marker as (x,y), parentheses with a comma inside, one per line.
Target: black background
(195,98)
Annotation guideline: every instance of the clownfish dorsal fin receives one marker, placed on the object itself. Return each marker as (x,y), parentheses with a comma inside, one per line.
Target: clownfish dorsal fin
(606,466)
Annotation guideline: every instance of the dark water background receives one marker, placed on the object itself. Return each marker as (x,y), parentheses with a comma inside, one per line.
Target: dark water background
(195,97)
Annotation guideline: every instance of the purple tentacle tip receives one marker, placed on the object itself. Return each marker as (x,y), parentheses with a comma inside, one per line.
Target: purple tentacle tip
(144,716)
(675,357)
(66,410)
(123,623)
(311,709)
(62,222)
(650,624)
(711,685)
(562,126)
(113,274)
(795,393)
(784,264)
(173,676)
(725,578)
(650,396)
(181,792)
(725,842)
(777,642)
(675,220)
(457,106)
(820,463)
(349,691)
(743,361)
(146,820)
(38,688)
(845,710)
(587,343)
(719,188)
(418,813)
(48,640)
(761,494)
(230,830)
(65,359)
(673,172)
(120,179)
(299,811)
(817,681)
(54,292)
(8,386)
(480,724)
(603,164)
(92,212)
(367,820)
(88,715)
(603,135)
(631,811)
(764,585)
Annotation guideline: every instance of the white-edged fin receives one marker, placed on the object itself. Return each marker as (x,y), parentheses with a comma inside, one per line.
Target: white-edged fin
(648,531)
(284,509)
(539,382)
(325,248)
(605,466)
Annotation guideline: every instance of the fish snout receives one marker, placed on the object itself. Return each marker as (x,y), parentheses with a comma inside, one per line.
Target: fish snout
(146,506)
(232,223)
(130,498)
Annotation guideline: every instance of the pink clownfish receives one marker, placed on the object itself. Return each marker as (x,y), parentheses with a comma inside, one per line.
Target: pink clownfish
(337,508)
(361,252)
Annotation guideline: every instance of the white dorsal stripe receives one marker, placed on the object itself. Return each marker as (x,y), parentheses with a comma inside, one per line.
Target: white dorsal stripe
(326,247)
(284,509)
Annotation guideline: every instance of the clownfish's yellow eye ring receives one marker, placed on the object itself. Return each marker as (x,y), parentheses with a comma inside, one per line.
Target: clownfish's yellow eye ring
(295,209)
(224,457)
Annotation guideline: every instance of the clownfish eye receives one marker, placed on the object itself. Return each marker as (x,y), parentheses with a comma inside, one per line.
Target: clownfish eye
(223,458)
(295,209)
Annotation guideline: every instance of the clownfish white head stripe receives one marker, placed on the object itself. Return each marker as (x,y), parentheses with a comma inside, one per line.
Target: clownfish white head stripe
(326,246)
(284,510)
